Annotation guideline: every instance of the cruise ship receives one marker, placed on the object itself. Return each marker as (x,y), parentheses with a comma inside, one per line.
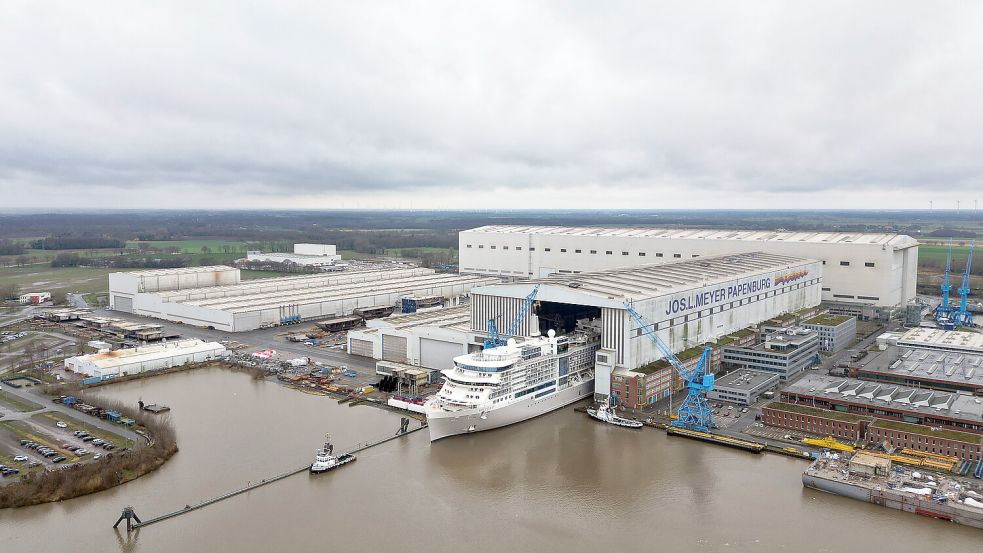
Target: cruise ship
(512,383)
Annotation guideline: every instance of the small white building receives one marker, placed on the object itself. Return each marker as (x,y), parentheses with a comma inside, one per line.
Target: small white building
(429,339)
(124,362)
(312,255)
(34,298)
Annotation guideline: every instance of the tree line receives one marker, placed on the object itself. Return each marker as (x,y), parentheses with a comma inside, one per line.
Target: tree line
(77,243)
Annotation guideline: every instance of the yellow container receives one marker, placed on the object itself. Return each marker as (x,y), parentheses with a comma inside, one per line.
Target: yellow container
(368,389)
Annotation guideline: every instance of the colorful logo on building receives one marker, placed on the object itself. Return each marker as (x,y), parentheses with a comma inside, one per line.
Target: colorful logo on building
(790,277)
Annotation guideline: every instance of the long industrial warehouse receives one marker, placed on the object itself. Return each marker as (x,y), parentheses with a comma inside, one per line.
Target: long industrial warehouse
(866,269)
(215,297)
(689,303)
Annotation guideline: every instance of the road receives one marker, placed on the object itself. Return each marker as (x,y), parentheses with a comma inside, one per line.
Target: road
(258,340)
(25,314)
(48,406)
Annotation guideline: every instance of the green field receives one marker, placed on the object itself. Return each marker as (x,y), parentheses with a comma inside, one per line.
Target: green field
(17,403)
(48,419)
(84,280)
(935,255)
(194,246)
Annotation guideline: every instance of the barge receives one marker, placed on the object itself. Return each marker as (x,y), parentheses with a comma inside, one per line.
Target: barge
(897,487)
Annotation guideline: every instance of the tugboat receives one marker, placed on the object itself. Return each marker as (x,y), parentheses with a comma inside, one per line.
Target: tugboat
(604,413)
(325,461)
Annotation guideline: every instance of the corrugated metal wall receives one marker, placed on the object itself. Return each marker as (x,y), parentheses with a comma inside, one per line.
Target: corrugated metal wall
(394,348)
(360,347)
(502,310)
(613,331)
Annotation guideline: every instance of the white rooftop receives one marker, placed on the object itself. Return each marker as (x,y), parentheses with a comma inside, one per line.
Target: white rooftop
(650,281)
(894,240)
(147,353)
(182,270)
(943,339)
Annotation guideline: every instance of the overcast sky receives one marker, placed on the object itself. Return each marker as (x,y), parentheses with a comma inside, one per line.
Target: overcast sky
(456,105)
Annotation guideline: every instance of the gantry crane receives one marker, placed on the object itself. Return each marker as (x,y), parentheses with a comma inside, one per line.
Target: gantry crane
(493,338)
(963,316)
(944,311)
(695,412)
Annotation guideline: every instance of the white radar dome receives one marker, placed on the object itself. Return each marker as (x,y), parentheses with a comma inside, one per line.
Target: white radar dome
(511,341)
(551,333)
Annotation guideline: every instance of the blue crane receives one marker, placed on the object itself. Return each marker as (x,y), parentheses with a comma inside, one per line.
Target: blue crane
(493,338)
(695,412)
(943,311)
(963,316)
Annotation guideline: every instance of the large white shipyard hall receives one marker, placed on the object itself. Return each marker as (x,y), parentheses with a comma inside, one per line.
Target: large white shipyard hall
(689,302)
(864,269)
(216,297)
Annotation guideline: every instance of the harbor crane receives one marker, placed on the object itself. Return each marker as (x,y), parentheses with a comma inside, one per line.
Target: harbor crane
(695,412)
(494,340)
(943,312)
(963,316)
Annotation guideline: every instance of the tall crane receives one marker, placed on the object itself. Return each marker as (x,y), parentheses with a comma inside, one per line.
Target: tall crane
(494,340)
(943,311)
(963,316)
(695,412)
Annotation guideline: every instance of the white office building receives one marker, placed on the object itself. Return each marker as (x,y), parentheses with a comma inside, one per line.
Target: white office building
(312,255)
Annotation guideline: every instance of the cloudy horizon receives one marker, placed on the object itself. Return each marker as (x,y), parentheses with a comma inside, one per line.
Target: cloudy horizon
(500,105)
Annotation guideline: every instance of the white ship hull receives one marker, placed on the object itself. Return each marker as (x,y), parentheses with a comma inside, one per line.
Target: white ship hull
(465,421)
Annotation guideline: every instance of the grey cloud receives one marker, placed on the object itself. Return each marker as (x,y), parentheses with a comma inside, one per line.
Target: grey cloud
(339,98)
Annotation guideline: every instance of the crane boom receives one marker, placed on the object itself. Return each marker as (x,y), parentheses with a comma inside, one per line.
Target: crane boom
(943,311)
(695,412)
(494,340)
(963,316)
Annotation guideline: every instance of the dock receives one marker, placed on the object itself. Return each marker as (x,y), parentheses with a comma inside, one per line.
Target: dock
(190,508)
(154,408)
(753,447)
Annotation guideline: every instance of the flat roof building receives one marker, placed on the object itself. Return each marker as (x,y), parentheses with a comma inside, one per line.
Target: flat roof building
(429,339)
(742,387)
(947,340)
(688,303)
(865,269)
(836,332)
(129,361)
(939,369)
(784,354)
(233,305)
(311,255)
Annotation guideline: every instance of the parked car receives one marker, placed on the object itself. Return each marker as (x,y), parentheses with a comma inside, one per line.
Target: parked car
(20,458)
(97,456)
(58,459)
(61,424)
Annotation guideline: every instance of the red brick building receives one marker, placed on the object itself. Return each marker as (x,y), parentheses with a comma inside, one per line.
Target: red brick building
(963,445)
(845,426)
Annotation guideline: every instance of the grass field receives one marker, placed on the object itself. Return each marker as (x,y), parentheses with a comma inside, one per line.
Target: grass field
(49,419)
(194,246)
(85,280)
(439,251)
(15,402)
(935,255)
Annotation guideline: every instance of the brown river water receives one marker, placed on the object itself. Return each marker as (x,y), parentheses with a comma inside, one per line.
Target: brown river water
(557,483)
